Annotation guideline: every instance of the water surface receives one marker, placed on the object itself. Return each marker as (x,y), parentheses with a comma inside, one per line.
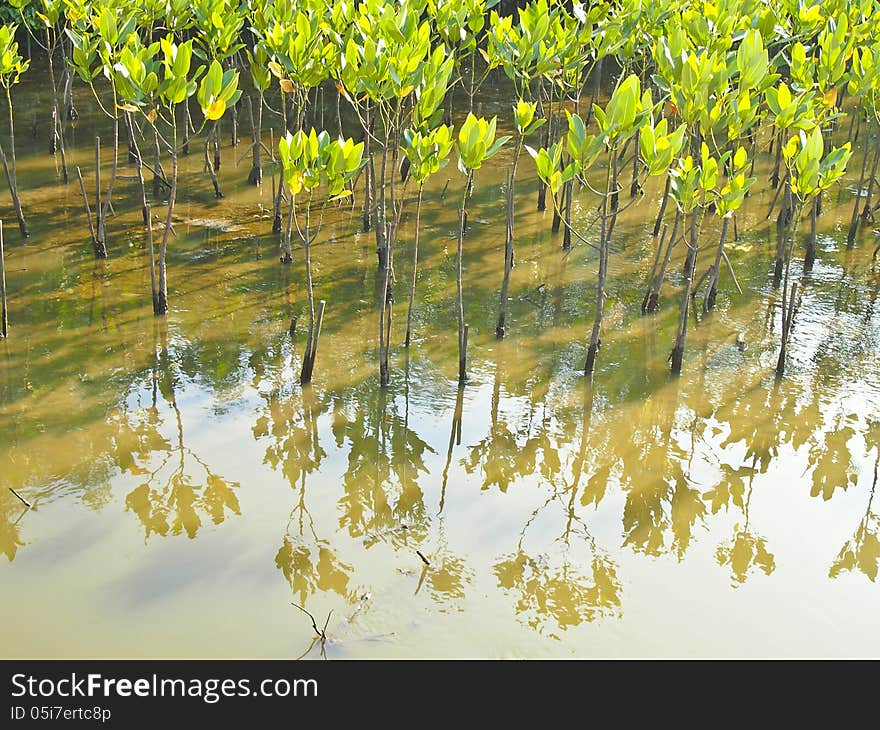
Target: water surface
(187,490)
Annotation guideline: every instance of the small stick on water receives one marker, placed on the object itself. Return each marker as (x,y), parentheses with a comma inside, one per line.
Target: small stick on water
(321,633)
(424,559)
(28,504)
(85,197)
(730,268)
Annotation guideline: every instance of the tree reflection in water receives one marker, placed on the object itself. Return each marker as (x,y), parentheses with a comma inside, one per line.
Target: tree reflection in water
(289,424)
(862,551)
(174,494)
(573,581)
(12,511)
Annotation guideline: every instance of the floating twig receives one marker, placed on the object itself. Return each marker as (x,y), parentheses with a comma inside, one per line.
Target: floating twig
(424,559)
(29,505)
(320,633)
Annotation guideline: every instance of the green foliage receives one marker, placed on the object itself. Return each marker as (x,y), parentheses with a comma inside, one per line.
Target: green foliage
(219,24)
(626,111)
(12,64)
(658,146)
(218,89)
(476,143)
(810,172)
(524,118)
(309,159)
(427,152)
(791,111)
(732,195)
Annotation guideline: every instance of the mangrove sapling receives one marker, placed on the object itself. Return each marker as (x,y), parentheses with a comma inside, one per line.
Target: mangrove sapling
(868,209)
(12,66)
(100,43)
(476,144)
(51,15)
(257,63)
(302,57)
(626,112)
(857,201)
(727,202)
(693,188)
(156,80)
(863,84)
(387,275)
(218,25)
(526,123)
(411,69)
(658,148)
(428,154)
(308,161)
(790,113)
(520,51)
(810,173)
(96,230)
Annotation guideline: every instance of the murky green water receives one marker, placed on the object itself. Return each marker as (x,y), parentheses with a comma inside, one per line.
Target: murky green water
(186,490)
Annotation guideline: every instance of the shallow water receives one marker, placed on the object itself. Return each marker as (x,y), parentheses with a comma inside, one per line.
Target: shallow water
(187,491)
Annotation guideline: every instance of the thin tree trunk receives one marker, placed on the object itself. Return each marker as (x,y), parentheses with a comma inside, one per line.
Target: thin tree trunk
(162,302)
(566,234)
(462,337)
(415,264)
(681,336)
(12,176)
(651,300)
(854,219)
(810,255)
(157,169)
(308,364)
(209,164)
(100,236)
(663,204)
(500,327)
(608,212)
(542,188)
(712,288)
(867,211)
(368,175)
(216,145)
(187,125)
(277,195)
(287,252)
(382,213)
(255,176)
(788,297)
(233,138)
(85,197)
(774,177)
(783,222)
(154,293)
(107,206)
(56,136)
(634,185)
(139,166)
